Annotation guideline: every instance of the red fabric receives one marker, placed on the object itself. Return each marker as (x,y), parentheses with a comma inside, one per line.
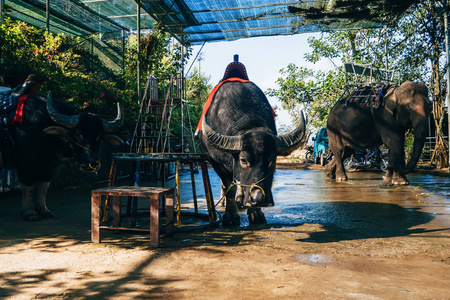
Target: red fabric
(213,93)
(19,110)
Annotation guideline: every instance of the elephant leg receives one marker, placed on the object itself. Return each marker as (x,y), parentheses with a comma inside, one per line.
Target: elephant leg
(40,200)
(28,213)
(336,167)
(330,169)
(395,178)
(388,176)
(399,179)
(256,216)
(397,163)
(339,165)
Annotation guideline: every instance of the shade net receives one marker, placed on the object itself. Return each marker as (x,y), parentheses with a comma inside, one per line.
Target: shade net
(197,21)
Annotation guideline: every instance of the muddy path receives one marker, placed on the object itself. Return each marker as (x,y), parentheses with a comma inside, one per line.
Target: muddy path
(323,240)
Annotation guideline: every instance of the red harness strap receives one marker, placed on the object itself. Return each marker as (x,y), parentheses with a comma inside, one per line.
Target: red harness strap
(213,93)
(19,110)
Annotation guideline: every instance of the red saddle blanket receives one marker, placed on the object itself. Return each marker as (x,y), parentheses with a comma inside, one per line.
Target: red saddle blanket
(213,93)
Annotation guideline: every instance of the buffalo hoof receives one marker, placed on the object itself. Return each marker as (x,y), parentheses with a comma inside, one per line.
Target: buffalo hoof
(228,221)
(31,217)
(256,217)
(48,215)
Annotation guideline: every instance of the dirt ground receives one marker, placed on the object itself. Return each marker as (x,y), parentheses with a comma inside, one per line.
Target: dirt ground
(352,257)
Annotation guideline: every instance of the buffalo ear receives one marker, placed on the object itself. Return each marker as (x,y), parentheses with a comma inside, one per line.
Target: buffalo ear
(56,130)
(113,140)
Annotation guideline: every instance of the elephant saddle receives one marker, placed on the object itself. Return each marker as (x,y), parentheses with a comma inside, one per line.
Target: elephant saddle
(367,96)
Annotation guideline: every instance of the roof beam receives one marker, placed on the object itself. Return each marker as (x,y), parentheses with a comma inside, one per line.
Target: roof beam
(235,21)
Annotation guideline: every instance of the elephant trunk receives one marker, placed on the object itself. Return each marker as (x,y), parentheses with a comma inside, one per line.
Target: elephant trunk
(420,133)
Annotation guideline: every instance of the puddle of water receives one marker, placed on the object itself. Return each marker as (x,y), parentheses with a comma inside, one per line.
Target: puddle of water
(314,259)
(309,196)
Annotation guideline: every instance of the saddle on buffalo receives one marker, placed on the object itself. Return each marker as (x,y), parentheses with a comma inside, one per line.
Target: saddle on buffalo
(235,71)
(11,108)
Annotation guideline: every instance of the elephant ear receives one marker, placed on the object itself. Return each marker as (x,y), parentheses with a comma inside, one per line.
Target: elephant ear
(390,102)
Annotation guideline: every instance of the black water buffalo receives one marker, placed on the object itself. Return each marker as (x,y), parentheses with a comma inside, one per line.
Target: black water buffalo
(240,137)
(50,132)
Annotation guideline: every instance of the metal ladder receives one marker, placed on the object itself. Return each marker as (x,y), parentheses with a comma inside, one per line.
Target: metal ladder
(159,116)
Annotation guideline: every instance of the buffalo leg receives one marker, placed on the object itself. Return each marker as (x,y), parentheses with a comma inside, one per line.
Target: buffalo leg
(231,217)
(256,216)
(28,213)
(222,200)
(40,200)
(240,196)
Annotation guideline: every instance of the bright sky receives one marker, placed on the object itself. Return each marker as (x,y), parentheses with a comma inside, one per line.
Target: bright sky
(263,58)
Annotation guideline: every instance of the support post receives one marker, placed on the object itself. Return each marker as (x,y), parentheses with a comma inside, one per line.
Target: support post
(2,11)
(138,53)
(47,16)
(447,55)
(123,53)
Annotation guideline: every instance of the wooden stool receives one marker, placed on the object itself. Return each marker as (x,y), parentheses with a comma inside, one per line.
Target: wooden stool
(154,193)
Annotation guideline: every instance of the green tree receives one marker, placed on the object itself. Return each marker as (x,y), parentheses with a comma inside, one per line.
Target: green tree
(302,88)
(197,91)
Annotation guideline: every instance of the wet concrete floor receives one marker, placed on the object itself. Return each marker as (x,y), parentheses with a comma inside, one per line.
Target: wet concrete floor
(306,196)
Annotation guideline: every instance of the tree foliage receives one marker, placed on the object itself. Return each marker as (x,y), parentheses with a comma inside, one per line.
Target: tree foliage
(197,91)
(75,74)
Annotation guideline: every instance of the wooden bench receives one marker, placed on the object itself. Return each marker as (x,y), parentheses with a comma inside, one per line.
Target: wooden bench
(155,194)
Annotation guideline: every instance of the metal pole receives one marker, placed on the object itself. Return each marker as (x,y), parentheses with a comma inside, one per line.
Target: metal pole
(47,16)
(447,55)
(386,52)
(138,53)
(123,53)
(2,12)
(2,6)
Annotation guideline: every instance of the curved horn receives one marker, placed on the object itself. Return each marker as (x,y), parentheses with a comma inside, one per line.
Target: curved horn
(110,126)
(221,142)
(287,143)
(66,121)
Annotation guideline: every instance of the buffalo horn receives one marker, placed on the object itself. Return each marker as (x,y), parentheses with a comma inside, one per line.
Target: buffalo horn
(221,142)
(66,121)
(287,143)
(110,126)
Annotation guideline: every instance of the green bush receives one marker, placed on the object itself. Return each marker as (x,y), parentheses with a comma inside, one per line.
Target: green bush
(64,65)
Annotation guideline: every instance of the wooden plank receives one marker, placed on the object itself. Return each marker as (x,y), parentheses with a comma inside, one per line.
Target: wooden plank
(133,191)
(95,218)
(154,221)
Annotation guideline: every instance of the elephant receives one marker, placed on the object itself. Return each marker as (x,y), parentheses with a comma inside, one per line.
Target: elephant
(368,126)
